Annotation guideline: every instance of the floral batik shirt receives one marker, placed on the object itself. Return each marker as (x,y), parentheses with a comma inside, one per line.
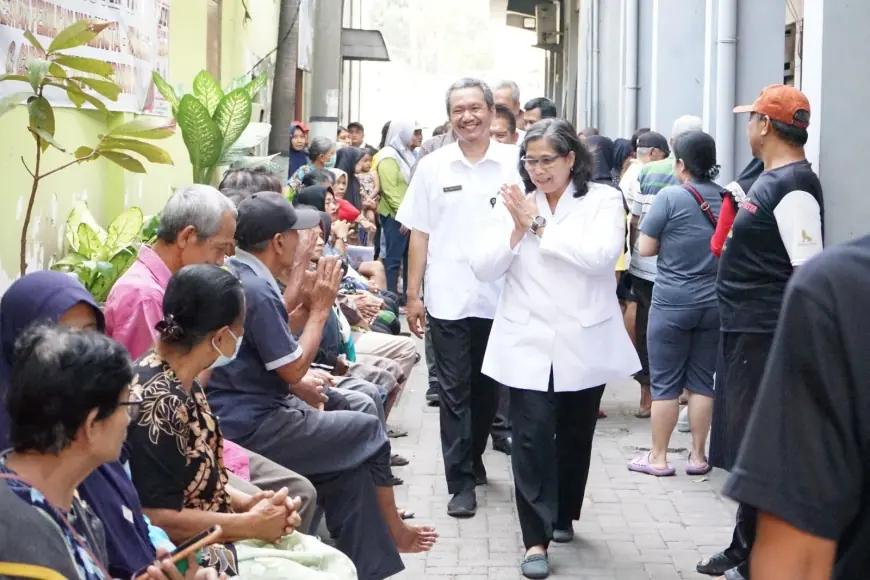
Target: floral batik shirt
(176,450)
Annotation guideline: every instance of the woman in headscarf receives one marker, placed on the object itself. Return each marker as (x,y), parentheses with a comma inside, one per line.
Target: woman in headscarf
(321,153)
(348,160)
(394,165)
(622,158)
(347,211)
(60,298)
(298,147)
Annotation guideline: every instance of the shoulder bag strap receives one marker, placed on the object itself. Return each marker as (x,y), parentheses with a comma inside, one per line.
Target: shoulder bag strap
(705,207)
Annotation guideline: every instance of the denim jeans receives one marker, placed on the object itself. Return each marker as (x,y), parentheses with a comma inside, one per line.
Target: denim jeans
(395,242)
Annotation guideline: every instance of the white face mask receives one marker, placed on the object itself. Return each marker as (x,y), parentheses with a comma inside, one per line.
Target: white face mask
(222,359)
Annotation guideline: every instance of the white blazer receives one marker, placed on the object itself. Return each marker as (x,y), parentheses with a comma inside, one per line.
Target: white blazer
(558,308)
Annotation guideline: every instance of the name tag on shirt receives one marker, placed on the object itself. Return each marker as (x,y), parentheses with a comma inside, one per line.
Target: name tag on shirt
(453,189)
(127,513)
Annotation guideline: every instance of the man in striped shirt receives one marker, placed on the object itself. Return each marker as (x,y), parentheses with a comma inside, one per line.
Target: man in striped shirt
(655,176)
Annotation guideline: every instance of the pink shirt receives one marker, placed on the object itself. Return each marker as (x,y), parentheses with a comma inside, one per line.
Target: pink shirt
(133,309)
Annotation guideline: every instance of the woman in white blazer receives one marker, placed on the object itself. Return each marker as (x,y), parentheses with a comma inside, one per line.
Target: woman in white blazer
(558,334)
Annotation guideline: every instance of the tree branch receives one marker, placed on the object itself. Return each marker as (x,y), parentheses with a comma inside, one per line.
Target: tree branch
(24,163)
(65,165)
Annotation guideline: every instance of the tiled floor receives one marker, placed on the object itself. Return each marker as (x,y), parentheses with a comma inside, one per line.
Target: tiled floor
(634,527)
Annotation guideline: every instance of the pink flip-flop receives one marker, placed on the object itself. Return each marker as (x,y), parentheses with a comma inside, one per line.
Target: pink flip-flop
(692,470)
(642,465)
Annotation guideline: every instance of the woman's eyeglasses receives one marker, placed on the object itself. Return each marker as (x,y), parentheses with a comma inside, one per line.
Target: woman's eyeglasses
(132,405)
(542,162)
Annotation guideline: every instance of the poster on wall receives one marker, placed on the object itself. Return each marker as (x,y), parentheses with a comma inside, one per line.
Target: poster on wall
(136,44)
(305,19)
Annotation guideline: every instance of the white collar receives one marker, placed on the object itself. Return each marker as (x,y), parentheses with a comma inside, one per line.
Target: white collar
(258,267)
(456,155)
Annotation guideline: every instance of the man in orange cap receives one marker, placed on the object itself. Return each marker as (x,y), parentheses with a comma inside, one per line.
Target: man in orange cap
(778,227)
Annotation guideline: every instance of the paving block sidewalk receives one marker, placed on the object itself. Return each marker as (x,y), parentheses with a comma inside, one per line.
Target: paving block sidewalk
(634,527)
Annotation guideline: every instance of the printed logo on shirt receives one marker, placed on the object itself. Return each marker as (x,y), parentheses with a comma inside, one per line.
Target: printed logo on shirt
(749,206)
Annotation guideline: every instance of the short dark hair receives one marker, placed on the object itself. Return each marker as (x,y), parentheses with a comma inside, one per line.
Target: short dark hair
(59,376)
(697,151)
(317,177)
(339,130)
(636,136)
(240,184)
(545,105)
(199,299)
(561,136)
(356,125)
(589,132)
(440,130)
(504,113)
(796,136)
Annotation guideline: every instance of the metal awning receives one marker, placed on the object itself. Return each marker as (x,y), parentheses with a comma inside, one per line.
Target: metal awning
(363,45)
(526,7)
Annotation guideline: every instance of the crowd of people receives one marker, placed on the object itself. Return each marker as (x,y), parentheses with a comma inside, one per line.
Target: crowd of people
(243,370)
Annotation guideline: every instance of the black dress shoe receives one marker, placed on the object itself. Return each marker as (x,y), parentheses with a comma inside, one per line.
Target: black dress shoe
(463,504)
(563,536)
(734,574)
(504,444)
(432,396)
(717,564)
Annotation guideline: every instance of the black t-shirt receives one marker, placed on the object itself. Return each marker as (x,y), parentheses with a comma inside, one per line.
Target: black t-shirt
(755,265)
(806,452)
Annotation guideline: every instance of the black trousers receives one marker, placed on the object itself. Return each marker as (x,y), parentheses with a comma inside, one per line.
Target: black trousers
(552,434)
(643,290)
(743,537)
(468,398)
(501,425)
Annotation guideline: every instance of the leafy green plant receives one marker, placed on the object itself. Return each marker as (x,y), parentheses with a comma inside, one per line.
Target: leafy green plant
(122,145)
(211,119)
(97,256)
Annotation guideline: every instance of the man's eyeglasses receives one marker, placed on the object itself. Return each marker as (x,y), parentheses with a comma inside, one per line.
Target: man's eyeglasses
(132,405)
(542,162)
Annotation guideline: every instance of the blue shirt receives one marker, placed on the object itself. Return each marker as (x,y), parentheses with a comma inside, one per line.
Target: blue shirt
(687,268)
(247,390)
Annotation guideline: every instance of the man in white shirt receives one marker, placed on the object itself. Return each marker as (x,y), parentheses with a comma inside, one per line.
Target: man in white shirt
(450,196)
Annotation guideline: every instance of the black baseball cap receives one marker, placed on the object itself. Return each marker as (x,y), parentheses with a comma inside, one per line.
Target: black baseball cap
(265,214)
(653,139)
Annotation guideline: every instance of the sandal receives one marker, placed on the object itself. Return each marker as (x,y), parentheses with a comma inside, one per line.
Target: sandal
(406,515)
(397,460)
(693,470)
(397,481)
(642,465)
(643,413)
(395,432)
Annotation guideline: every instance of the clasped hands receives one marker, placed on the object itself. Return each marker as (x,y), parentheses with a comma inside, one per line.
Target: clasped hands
(274,514)
(522,208)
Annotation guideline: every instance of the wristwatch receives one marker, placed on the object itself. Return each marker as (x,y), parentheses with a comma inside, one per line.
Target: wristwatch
(538,223)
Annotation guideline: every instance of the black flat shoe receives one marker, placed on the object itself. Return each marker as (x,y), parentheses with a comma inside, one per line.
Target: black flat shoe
(734,574)
(563,536)
(536,566)
(505,445)
(717,564)
(432,396)
(463,505)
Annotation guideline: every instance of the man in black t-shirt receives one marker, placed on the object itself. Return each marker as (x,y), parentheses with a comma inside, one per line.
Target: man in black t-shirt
(803,462)
(777,228)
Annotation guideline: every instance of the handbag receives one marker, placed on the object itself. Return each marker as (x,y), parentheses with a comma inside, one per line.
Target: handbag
(705,207)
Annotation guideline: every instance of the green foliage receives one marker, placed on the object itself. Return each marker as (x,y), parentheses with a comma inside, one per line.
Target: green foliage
(212,120)
(97,256)
(54,68)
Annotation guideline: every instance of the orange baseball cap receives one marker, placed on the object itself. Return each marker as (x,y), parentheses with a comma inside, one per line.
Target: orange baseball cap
(782,103)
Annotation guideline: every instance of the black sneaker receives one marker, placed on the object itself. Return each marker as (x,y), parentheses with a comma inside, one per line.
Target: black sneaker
(433,399)
(463,505)
(504,444)
(717,564)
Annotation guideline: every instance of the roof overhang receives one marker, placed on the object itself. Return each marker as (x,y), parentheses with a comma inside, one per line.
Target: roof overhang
(363,45)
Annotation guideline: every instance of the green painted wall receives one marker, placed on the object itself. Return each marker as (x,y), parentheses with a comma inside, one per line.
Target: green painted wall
(107,188)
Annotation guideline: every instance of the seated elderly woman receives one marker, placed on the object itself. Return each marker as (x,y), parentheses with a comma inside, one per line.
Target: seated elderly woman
(69,402)
(239,184)
(58,298)
(176,445)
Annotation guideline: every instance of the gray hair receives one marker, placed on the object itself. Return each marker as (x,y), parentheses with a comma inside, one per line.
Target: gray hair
(514,87)
(200,206)
(470,83)
(319,146)
(685,124)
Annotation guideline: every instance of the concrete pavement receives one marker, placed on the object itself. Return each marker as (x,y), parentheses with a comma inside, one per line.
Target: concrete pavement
(634,527)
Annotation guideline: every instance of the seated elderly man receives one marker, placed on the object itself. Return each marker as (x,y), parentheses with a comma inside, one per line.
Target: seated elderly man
(264,406)
(197,226)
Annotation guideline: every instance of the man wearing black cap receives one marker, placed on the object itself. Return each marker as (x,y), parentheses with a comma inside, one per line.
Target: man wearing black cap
(263,401)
